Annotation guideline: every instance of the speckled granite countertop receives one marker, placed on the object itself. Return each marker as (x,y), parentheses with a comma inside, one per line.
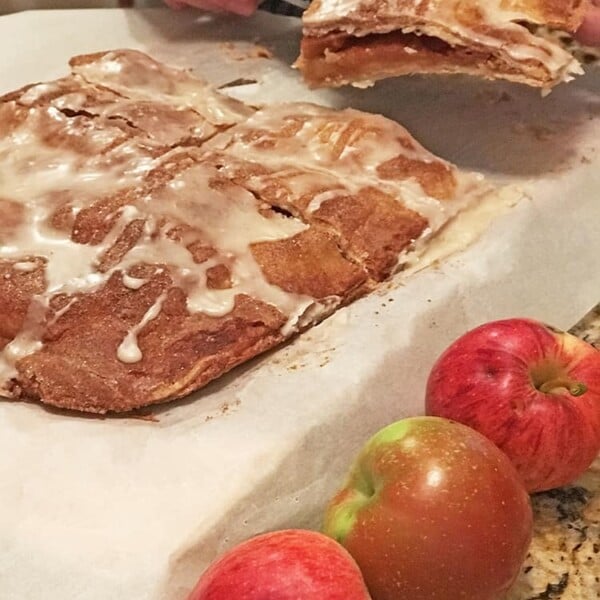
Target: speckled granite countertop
(564,559)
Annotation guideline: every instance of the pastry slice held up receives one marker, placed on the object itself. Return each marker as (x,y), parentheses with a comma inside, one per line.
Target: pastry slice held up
(360,41)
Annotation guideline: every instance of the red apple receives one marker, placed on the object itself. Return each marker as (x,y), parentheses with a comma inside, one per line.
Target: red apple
(534,391)
(283,565)
(433,510)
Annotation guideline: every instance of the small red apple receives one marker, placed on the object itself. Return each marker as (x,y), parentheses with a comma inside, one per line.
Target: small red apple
(433,510)
(534,391)
(283,565)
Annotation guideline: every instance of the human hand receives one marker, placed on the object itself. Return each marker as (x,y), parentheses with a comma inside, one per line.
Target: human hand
(589,33)
(240,7)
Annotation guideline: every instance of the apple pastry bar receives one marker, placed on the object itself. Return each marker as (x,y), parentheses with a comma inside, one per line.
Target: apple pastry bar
(360,41)
(154,234)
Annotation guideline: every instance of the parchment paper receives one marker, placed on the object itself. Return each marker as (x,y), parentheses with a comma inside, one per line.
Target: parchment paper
(97,509)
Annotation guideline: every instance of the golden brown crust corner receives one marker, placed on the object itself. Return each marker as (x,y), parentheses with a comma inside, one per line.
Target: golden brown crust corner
(559,14)
(86,59)
(78,367)
(121,53)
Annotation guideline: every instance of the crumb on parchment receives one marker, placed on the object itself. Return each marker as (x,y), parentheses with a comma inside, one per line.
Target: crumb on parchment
(240,52)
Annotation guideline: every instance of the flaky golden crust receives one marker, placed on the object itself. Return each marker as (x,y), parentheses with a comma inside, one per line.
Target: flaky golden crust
(561,14)
(327,15)
(77,368)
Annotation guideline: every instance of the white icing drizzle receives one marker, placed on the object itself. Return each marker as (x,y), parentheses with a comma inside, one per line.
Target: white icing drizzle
(368,141)
(21,346)
(443,20)
(38,177)
(230,222)
(164,123)
(30,168)
(59,313)
(70,267)
(25,266)
(26,342)
(319,199)
(435,211)
(136,75)
(133,283)
(372,141)
(129,350)
(37,91)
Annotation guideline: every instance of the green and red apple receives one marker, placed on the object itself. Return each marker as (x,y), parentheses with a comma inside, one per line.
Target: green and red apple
(432,510)
(534,391)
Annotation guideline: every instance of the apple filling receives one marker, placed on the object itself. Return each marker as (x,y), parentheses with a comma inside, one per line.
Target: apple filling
(338,57)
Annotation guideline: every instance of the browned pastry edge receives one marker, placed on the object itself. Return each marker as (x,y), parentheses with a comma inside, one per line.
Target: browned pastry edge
(86,59)
(101,397)
(560,14)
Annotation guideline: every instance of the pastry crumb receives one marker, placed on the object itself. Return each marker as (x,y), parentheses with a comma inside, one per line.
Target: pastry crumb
(246,52)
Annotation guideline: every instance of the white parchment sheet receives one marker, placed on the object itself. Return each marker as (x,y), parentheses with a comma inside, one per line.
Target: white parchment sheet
(97,509)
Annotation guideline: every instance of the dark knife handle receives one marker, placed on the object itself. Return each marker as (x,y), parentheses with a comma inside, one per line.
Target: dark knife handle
(588,328)
(282,7)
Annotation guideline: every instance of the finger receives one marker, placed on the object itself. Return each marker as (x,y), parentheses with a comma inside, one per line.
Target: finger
(213,5)
(589,33)
(240,7)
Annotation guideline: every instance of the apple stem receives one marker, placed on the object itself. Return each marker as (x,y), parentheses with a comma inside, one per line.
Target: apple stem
(574,388)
